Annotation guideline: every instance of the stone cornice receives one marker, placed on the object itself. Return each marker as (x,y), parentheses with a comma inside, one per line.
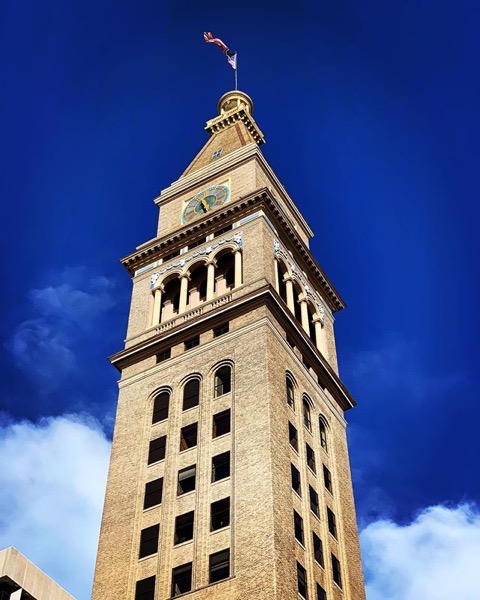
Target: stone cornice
(264,296)
(232,116)
(220,168)
(228,213)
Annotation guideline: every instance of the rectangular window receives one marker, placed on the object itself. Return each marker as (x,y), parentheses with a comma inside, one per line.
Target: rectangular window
(321,593)
(301,580)
(311,458)
(221,423)
(314,506)
(149,541)
(189,344)
(318,549)
(220,466)
(184,528)
(171,255)
(197,243)
(222,230)
(337,575)
(181,579)
(188,436)
(218,331)
(298,527)
(145,589)
(220,514)
(296,485)
(165,355)
(186,480)
(219,567)
(293,435)
(327,478)
(153,493)
(332,523)
(156,450)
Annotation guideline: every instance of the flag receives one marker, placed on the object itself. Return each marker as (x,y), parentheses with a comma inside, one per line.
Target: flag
(231,56)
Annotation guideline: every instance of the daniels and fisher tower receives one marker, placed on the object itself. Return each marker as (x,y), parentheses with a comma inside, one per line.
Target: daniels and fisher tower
(229,477)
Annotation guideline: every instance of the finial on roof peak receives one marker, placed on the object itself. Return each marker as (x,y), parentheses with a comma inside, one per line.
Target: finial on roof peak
(235,99)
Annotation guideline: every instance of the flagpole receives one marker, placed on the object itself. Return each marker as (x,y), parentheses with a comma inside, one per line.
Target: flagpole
(236,77)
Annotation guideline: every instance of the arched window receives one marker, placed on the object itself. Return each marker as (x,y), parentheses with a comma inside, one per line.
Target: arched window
(223,381)
(191,394)
(281,272)
(198,284)
(225,272)
(307,419)
(290,394)
(160,407)
(170,299)
(296,302)
(323,433)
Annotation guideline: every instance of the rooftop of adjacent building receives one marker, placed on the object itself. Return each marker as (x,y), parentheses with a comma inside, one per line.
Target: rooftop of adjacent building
(20,579)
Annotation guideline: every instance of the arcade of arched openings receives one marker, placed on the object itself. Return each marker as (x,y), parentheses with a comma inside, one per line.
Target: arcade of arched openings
(204,280)
(300,304)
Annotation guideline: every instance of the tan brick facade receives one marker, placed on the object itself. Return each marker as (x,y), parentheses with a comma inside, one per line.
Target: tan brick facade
(260,278)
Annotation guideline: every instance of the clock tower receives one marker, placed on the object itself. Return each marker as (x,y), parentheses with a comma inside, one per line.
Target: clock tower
(229,476)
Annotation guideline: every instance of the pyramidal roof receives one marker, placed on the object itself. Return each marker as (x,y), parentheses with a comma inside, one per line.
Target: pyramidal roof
(233,128)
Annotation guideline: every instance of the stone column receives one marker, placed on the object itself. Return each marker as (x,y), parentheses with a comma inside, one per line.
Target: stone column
(157,305)
(238,268)
(277,282)
(183,294)
(210,280)
(290,300)
(320,336)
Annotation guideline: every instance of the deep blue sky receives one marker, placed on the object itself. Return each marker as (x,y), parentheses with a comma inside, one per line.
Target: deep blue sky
(370,112)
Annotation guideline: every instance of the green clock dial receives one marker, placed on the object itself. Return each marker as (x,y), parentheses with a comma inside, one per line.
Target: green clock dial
(213,197)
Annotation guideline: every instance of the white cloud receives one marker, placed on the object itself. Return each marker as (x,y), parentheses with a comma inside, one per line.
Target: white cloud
(52,477)
(64,312)
(435,557)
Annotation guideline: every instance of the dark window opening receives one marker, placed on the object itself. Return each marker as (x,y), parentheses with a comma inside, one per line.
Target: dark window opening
(321,593)
(165,355)
(189,344)
(222,230)
(186,480)
(314,506)
(149,541)
(218,331)
(153,493)
(191,394)
(327,478)
(307,421)
(323,435)
(145,589)
(197,243)
(282,288)
(311,458)
(156,450)
(181,579)
(188,436)
(171,294)
(296,485)
(298,527)
(293,436)
(220,466)
(337,575)
(220,514)
(332,523)
(198,281)
(223,381)
(171,255)
(219,567)
(301,580)
(160,407)
(221,423)
(184,528)
(226,267)
(318,549)
(290,395)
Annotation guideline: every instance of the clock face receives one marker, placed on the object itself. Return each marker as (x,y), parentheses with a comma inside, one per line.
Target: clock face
(213,197)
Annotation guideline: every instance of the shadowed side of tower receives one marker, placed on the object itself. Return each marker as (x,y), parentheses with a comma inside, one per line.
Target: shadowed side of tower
(229,475)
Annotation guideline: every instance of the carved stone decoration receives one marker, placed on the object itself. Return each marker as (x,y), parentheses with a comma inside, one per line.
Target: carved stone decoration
(297,274)
(236,238)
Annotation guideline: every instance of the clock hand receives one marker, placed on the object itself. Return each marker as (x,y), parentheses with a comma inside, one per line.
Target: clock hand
(205,204)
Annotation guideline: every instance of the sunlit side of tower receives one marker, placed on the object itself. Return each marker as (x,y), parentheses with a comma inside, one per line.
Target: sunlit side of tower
(229,476)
